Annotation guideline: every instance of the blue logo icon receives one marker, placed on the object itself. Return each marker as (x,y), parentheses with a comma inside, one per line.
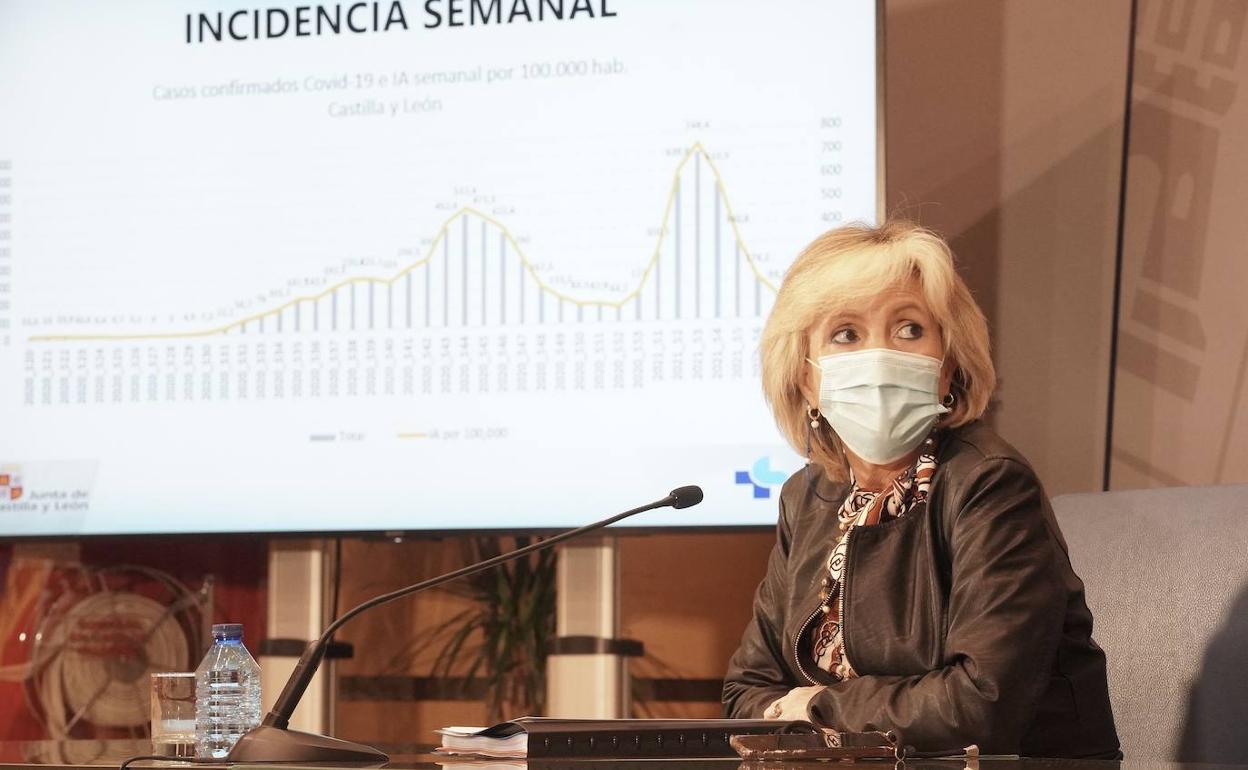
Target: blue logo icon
(761,477)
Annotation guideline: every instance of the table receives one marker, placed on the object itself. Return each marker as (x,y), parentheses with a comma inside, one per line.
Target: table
(92,755)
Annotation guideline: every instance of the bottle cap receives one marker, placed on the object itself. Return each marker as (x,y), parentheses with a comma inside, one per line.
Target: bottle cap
(231,631)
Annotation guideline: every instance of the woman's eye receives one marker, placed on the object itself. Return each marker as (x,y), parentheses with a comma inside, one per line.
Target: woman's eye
(910,331)
(845,336)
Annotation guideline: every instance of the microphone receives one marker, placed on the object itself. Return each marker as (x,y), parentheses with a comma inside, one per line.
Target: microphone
(271,741)
(685,497)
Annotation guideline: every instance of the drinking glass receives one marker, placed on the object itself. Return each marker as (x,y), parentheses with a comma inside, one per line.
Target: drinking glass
(173,714)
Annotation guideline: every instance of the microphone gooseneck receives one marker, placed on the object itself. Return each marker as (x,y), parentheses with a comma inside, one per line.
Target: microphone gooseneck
(279,716)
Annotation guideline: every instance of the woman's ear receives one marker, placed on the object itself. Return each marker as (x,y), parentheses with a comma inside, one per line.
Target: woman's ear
(947,373)
(811,377)
(808,384)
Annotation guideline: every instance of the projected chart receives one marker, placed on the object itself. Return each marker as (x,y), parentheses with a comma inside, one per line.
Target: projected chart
(474,275)
(475,272)
(308,284)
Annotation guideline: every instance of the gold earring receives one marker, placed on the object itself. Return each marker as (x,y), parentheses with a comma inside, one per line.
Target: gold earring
(813,414)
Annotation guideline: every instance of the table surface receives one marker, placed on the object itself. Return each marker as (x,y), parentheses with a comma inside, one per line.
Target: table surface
(91,755)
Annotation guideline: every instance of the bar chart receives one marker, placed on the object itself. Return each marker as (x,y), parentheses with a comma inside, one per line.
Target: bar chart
(475,312)
(476,273)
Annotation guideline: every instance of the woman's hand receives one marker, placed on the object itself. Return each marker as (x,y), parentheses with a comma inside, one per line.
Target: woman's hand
(792,706)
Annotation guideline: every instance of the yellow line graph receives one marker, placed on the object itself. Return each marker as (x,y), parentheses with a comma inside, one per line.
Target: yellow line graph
(695,150)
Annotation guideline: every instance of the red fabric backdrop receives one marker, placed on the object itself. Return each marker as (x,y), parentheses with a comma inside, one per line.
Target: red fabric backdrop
(238,565)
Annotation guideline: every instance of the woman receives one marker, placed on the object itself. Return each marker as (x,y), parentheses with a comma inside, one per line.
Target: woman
(919,582)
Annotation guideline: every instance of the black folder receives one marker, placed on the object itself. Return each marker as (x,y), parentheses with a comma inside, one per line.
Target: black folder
(640,738)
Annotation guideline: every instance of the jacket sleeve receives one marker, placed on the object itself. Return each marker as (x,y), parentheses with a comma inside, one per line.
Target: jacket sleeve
(757,673)
(1006,609)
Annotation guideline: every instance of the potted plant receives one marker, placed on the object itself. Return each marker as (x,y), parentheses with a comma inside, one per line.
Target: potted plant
(499,642)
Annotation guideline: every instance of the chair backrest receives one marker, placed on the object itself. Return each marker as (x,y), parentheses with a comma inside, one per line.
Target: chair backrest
(1166,572)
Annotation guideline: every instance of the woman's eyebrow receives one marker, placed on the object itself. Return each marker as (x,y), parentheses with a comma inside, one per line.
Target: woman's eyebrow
(842,316)
(908,307)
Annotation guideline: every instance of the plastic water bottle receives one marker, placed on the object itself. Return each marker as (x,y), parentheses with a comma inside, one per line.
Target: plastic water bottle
(227,693)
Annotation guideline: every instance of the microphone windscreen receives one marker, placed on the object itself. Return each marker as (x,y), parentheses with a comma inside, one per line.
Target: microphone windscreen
(683,497)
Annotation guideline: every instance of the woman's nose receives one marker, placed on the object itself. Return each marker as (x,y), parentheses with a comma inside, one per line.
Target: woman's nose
(881,339)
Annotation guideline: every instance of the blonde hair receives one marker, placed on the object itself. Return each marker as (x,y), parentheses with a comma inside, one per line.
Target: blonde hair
(848,264)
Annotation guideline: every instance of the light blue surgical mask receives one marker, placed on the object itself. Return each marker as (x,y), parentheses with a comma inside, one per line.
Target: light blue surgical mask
(882,403)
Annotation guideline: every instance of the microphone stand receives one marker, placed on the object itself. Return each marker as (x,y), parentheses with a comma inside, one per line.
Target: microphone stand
(272,741)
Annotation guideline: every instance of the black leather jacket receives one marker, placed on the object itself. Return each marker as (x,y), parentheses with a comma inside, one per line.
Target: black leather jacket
(964,619)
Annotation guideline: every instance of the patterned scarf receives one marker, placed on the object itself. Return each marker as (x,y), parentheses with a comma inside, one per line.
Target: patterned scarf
(864,509)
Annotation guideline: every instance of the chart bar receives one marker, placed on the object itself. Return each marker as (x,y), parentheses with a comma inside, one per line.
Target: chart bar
(463,248)
(758,296)
(657,271)
(502,278)
(484,282)
(522,291)
(676,240)
(718,276)
(697,235)
(736,285)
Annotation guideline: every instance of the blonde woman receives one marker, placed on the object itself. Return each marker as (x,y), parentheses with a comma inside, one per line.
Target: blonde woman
(919,582)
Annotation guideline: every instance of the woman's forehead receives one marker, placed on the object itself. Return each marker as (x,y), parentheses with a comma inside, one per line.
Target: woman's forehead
(901,298)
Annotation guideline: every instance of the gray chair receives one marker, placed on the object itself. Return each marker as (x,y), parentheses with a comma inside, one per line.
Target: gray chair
(1166,572)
